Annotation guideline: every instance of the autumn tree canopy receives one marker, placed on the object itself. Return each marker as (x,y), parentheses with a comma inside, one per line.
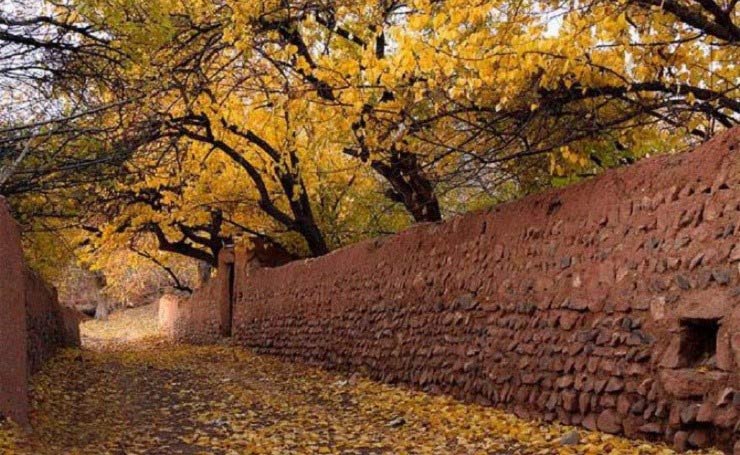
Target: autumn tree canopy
(312,124)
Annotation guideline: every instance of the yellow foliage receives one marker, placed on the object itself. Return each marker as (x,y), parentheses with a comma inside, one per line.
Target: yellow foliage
(334,92)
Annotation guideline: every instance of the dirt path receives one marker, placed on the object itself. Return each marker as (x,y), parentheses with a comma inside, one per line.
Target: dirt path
(144,396)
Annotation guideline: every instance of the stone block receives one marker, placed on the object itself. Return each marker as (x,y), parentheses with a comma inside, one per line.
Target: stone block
(698,439)
(623,404)
(705,414)
(658,308)
(614,385)
(671,356)
(589,422)
(689,413)
(727,417)
(651,428)
(680,441)
(609,422)
(689,383)
(568,399)
(705,304)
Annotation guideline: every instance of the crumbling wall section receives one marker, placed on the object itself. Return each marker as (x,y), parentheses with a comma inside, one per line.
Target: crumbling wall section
(194,319)
(204,316)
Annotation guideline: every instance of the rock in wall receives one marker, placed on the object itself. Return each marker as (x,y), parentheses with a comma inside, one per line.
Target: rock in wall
(32,324)
(613,304)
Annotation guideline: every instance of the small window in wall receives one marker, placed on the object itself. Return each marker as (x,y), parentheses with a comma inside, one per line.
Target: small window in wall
(699,342)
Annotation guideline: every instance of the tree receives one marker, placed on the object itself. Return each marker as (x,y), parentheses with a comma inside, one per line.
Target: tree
(202,113)
(312,124)
(47,58)
(574,78)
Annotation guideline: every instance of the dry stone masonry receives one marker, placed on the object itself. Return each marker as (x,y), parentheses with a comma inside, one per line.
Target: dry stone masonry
(613,304)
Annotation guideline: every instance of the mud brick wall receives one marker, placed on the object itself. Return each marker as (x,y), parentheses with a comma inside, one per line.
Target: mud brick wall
(194,319)
(32,323)
(49,325)
(613,304)
(170,317)
(13,352)
(205,315)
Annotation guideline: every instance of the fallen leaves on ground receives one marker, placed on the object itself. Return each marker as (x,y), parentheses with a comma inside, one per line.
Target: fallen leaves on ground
(158,398)
(121,327)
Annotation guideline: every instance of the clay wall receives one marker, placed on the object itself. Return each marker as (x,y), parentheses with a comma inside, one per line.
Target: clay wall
(49,325)
(613,304)
(204,316)
(13,342)
(32,323)
(194,319)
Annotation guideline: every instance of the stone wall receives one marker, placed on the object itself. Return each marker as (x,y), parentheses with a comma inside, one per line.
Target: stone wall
(33,325)
(613,304)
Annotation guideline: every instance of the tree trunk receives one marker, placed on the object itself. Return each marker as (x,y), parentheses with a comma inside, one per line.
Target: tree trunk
(410,186)
(314,237)
(204,272)
(300,206)
(101,311)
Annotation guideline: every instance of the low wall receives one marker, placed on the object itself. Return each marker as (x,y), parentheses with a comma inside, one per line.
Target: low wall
(613,304)
(206,315)
(33,325)
(13,342)
(49,325)
(194,319)
(169,316)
